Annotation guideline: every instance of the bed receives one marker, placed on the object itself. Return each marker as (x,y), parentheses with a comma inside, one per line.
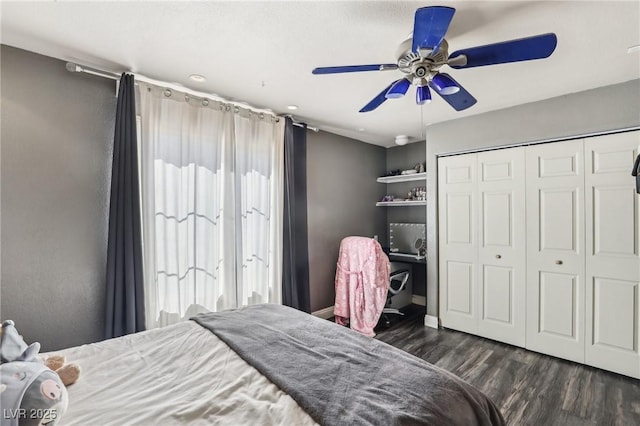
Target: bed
(264,365)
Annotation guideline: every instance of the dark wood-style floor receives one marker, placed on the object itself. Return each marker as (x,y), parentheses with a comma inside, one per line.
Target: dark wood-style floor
(528,387)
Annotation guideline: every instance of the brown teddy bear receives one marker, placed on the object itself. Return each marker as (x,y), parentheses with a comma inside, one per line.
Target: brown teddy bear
(69,373)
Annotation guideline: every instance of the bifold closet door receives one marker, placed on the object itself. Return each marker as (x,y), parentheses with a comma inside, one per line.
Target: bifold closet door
(501,252)
(458,247)
(555,249)
(612,255)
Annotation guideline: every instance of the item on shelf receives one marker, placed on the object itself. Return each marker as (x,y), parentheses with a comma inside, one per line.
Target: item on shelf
(387,199)
(421,246)
(419,193)
(393,173)
(409,172)
(419,168)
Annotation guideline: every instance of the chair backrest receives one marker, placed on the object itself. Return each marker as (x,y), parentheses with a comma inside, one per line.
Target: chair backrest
(355,251)
(359,254)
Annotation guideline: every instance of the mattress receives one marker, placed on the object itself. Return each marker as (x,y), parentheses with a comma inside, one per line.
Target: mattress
(181,374)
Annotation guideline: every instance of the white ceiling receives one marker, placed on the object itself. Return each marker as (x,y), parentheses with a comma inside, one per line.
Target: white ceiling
(262,53)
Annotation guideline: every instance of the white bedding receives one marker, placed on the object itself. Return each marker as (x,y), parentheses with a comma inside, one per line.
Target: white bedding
(183,374)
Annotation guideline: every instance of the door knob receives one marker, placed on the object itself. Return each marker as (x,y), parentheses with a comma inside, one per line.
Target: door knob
(498,256)
(558,262)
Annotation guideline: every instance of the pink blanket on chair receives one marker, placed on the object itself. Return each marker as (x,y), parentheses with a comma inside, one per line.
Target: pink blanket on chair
(362,282)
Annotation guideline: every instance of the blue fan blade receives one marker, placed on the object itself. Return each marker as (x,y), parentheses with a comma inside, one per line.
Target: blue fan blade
(524,49)
(460,100)
(429,27)
(378,100)
(354,68)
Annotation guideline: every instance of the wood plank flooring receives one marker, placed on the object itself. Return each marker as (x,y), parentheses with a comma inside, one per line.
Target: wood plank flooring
(528,387)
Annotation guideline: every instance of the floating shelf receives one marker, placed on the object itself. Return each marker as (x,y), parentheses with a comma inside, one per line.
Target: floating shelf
(400,203)
(411,258)
(402,178)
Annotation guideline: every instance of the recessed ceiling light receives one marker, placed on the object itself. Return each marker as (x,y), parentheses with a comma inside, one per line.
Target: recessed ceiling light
(292,107)
(361,129)
(198,78)
(635,48)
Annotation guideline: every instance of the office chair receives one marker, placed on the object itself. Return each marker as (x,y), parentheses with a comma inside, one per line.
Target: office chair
(400,279)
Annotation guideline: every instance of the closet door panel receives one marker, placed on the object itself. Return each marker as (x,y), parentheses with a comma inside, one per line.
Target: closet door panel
(497,294)
(558,307)
(457,204)
(612,255)
(460,287)
(615,311)
(458,207)
(555,249)
(613,213)
(501,250)
(558,219)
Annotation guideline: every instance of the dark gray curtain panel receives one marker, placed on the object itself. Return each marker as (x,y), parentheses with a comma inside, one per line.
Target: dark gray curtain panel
(295,264)
(124,292)
(636,173)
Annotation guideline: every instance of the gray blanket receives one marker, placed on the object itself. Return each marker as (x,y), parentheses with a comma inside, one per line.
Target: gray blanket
(340,377)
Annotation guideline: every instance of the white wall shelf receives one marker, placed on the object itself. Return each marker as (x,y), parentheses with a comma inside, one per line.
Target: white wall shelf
(400,203)
(402,178)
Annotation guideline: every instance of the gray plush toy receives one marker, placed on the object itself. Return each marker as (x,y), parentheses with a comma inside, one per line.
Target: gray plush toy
(30,393)
(13,347)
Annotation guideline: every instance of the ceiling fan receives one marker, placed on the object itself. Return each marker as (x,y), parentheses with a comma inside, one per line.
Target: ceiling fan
(422,55)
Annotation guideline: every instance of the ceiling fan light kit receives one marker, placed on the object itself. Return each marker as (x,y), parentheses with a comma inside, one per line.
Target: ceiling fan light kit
(421,56)
(443,84)
(423,95)
(398,89)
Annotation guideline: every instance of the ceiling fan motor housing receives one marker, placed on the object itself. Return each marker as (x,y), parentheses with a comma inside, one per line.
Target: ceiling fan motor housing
(420,71)
(421,68)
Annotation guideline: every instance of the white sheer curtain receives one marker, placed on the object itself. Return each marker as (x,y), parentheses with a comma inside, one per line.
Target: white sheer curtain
(212,182)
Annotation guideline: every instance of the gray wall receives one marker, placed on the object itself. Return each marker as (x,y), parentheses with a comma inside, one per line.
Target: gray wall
(341,196)
(606,108)
(405,157)
(57,133)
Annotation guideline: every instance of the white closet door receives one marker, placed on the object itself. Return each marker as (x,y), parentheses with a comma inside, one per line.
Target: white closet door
(458,254)
(613,263)
(555,249)
(501,254)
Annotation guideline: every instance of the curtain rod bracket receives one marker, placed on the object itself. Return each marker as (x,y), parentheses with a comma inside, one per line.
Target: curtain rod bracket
(302,124)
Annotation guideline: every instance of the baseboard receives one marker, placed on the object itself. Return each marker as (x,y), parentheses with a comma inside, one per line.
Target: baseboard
(430,321)
(418,300)
(325,313)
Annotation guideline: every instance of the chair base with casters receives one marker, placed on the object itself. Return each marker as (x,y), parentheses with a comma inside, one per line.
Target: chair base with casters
(397,282)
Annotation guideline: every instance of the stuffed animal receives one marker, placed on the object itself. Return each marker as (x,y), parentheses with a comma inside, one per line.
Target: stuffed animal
(31,393)
(13,348)
(69,373)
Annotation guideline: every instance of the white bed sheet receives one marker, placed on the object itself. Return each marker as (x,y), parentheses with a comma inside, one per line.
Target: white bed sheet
(181,374)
